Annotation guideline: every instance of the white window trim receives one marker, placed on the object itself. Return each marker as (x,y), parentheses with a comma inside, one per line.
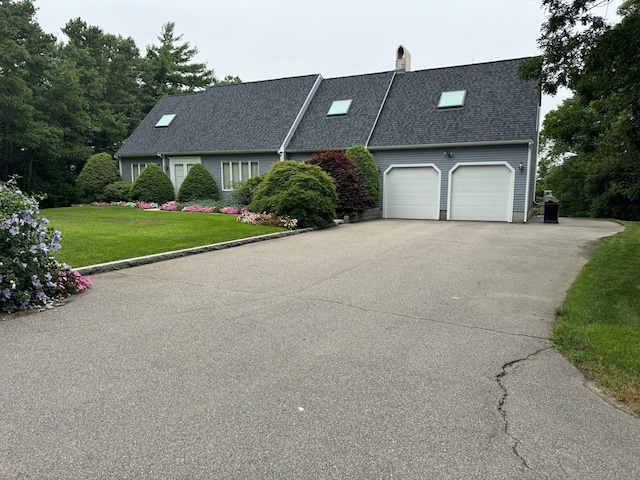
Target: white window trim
(143,165)
(234,180)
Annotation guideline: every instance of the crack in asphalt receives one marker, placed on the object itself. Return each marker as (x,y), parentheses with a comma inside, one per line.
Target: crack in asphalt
(413,317)
(515,442)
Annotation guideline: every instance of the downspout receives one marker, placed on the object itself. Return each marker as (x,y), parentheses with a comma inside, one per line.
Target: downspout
(528,184)
(531,162)
(384,100)
(285,143)
(162,162)
(119,164)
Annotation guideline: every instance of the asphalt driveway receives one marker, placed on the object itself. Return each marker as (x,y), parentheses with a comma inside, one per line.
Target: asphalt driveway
(385,349)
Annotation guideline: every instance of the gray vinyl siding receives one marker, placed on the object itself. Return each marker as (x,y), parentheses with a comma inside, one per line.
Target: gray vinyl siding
(125,165)
(512,154)
(213,164)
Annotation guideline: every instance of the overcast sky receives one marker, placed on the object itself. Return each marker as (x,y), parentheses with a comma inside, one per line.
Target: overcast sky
(267,39)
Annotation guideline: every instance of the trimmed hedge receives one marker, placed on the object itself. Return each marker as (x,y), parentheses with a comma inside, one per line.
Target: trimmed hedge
(119,191)
(153,186)
(297,190)
(243,191)
(99,171)
(352,195)
(198,185)
(367,171)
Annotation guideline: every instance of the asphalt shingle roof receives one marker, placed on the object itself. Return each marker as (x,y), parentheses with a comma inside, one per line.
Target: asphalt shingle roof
(317,131)
(253,116)
(257,116)
(498,106)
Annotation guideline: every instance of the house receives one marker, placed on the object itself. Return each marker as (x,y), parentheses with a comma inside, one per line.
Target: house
(455,143)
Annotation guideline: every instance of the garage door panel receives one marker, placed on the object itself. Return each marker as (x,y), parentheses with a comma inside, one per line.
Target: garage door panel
(481,192)
(412,192)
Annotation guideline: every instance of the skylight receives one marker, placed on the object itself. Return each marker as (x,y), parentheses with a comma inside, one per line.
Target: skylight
(166,120)
(452,99)
(339,107)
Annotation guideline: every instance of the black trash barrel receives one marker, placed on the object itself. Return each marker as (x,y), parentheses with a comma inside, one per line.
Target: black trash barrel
(551,209)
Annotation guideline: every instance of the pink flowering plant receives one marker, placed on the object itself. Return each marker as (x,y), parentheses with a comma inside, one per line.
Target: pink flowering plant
(254,218)
(230,210)
(197,208)
(171,206)
(29,274)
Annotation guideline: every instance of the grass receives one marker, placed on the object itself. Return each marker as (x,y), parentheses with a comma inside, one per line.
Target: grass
(598,325)
(93,235)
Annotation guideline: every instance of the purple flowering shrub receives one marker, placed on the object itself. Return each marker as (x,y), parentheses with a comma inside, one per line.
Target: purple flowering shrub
(29,274)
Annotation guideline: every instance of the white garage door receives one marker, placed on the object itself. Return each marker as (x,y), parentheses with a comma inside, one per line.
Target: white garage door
(412,192)
(481,192)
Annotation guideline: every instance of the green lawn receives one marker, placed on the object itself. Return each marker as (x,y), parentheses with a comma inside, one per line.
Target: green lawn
(598,325)
(92,234)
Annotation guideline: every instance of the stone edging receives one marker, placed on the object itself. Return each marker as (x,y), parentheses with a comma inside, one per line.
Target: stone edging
(158,257)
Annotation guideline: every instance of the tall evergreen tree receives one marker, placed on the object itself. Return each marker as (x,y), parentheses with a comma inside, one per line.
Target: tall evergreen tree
(170,69)
(109,72)
(22,69)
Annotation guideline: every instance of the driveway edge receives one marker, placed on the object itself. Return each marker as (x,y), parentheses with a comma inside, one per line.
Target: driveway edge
(159,257)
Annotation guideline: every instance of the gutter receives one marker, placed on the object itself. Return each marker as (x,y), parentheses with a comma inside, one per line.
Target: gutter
(216,152)
(454,144)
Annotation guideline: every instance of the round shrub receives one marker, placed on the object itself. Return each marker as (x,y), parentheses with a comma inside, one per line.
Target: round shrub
(352,196)
(28,271)
(297,190)
(153,186)
(198,185)
(367,171)
(99,171)
(119,191)
(243,191)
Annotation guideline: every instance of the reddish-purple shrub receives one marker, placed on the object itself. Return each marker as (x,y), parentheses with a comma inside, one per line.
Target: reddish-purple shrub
(352,194)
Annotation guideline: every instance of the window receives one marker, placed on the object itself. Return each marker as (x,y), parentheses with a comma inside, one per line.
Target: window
(136,170)
(166,120)
(237,172)
(339,107)
(452,99)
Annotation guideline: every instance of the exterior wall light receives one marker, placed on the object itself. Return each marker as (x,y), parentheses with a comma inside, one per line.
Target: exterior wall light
(521,166)
(448,154)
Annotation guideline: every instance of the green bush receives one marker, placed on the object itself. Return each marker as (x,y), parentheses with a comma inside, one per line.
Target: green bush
(153,186)
(119,191)
(299,191)
(198,185)
(99,171)
(352,195)
(368,171)
(243,191)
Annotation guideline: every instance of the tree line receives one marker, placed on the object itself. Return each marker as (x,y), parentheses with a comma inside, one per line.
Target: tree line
(63,100)
(591,144)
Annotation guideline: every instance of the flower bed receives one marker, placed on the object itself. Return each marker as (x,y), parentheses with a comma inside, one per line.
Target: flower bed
(244,216)
(254,218)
